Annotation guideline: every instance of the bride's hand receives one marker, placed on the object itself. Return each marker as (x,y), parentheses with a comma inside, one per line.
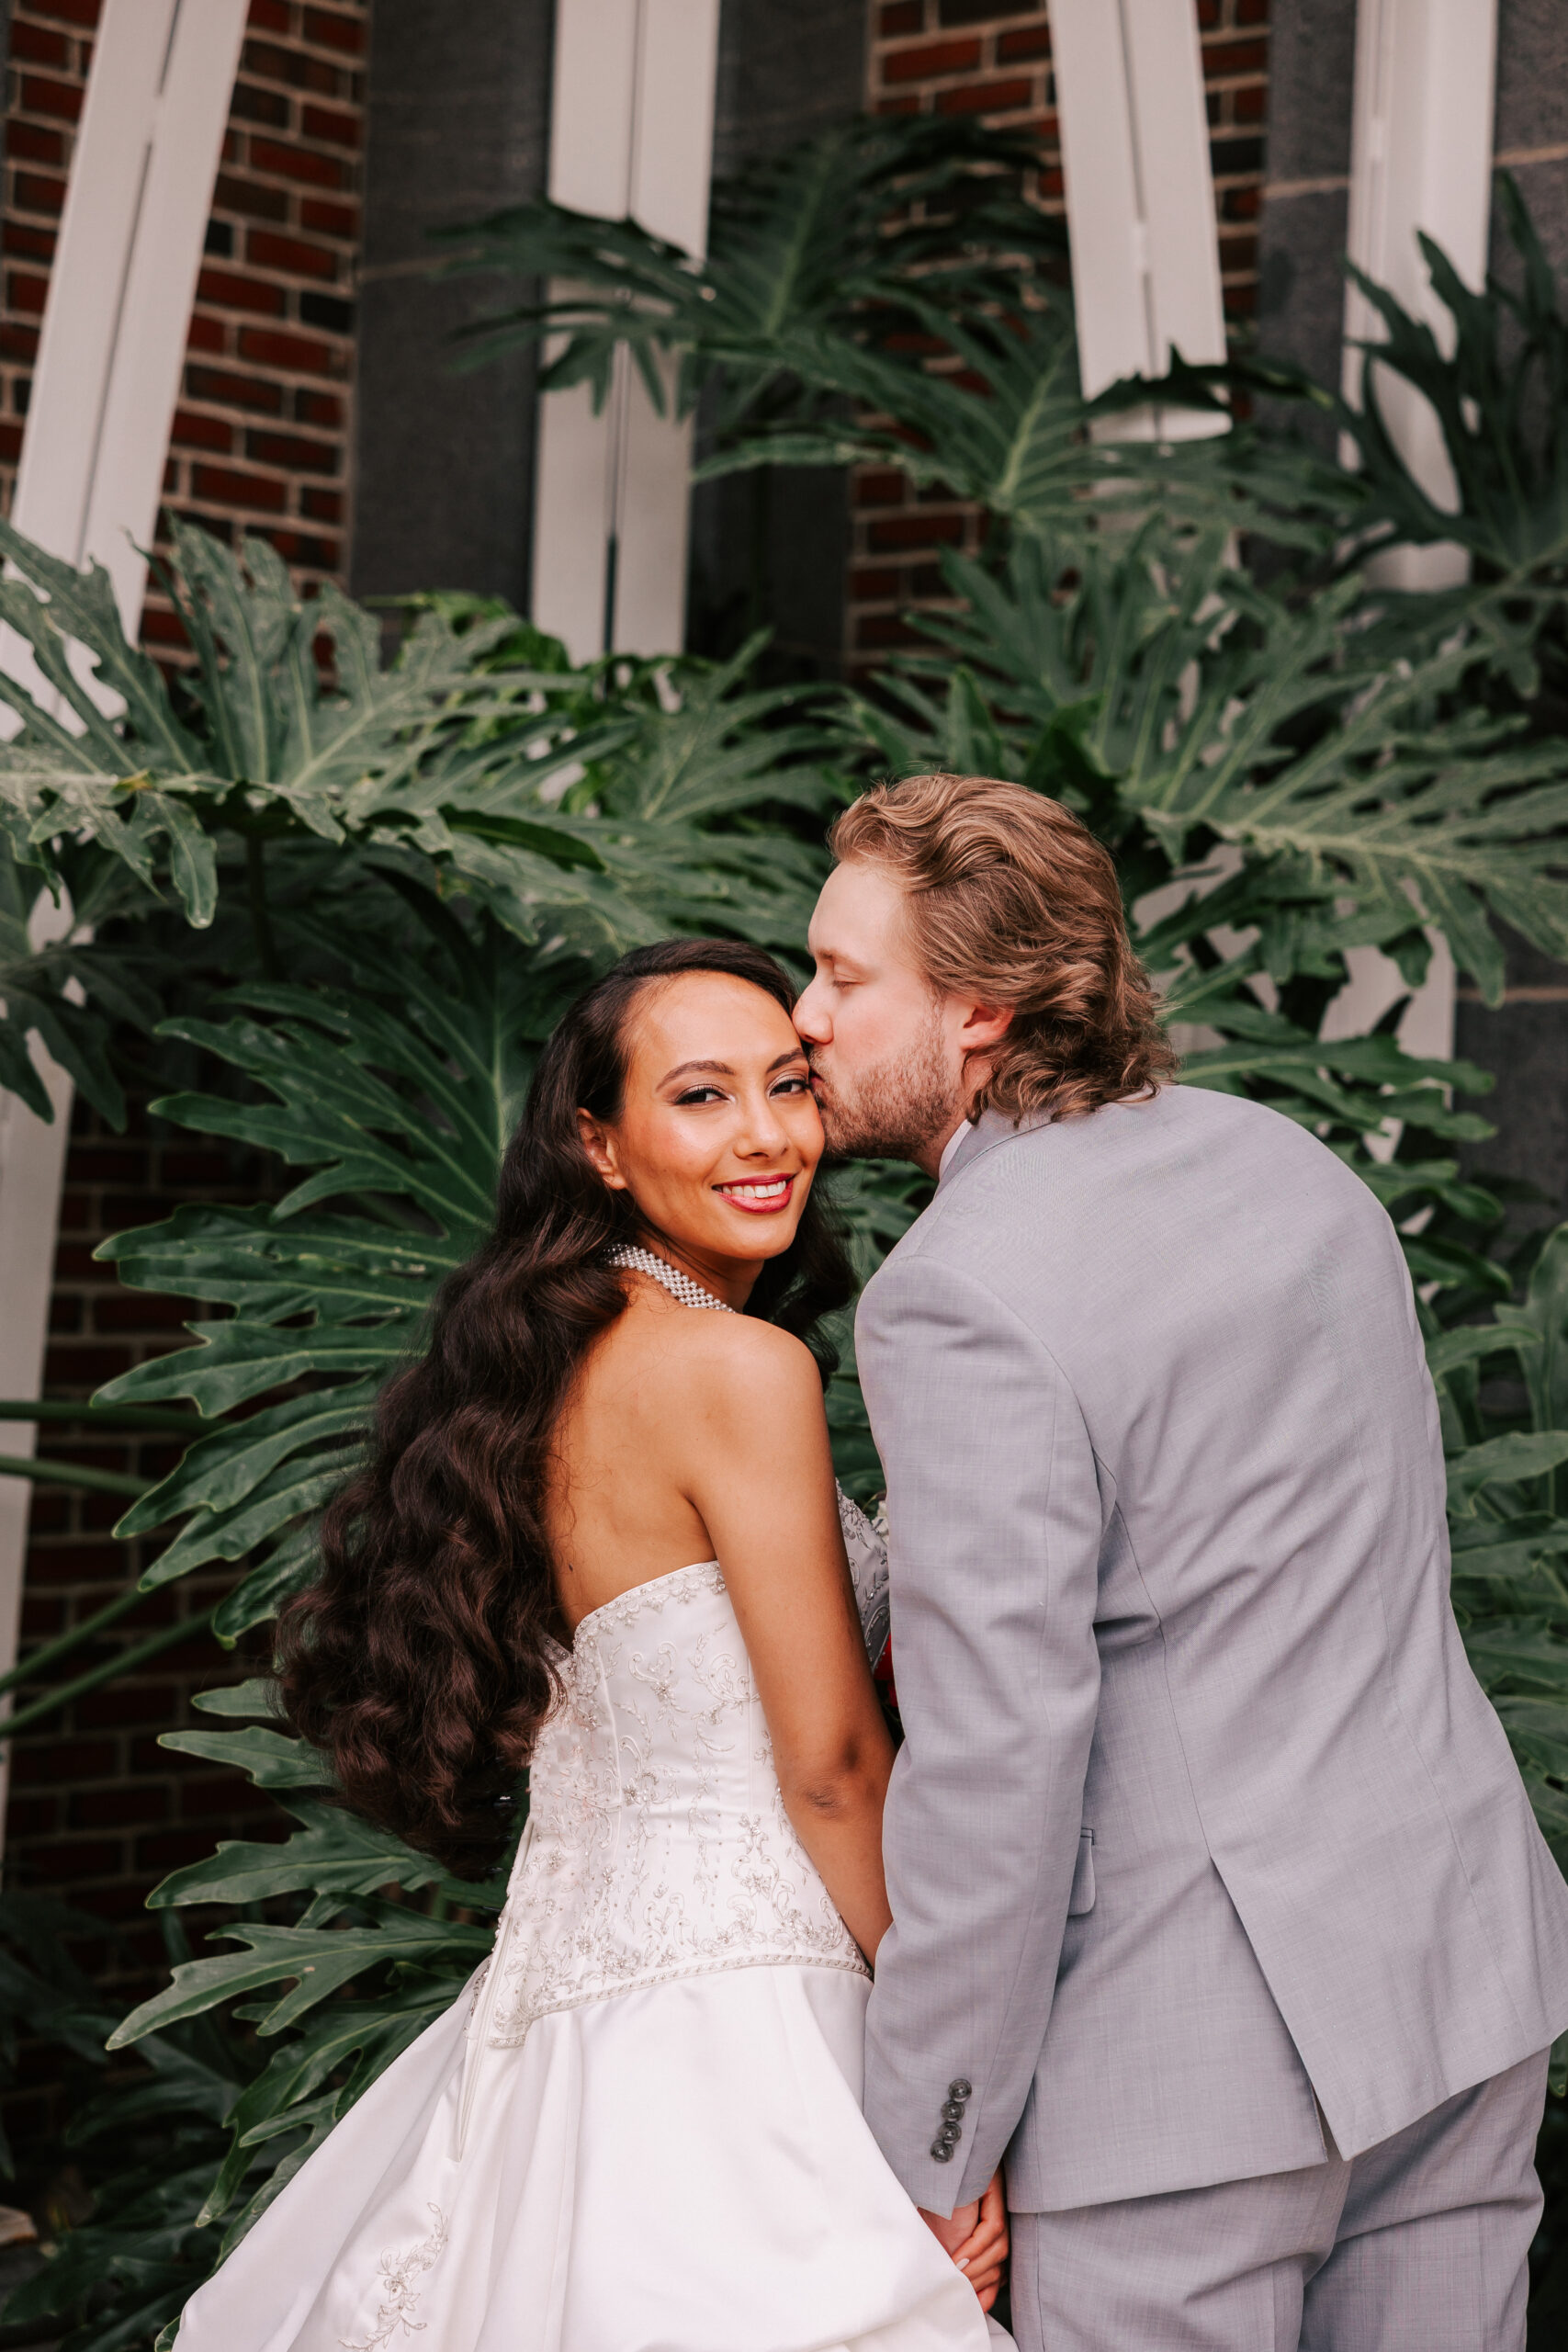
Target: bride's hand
(984,2253)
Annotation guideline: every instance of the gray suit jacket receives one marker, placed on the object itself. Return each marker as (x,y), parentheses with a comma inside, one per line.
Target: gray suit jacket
(1200,1810)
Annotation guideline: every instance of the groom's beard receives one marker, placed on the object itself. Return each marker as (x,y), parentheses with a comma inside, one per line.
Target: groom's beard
(894,1110)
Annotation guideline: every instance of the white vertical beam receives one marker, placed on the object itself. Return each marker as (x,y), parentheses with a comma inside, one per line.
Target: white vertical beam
(32,1159)
(122,282)
(1420,159)
(631,134)
(87,488)
(1140,200)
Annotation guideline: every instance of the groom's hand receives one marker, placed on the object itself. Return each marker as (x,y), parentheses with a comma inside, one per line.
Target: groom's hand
(981,2250)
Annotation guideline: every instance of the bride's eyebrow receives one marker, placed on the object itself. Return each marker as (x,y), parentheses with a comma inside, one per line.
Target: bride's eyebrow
(723,1069)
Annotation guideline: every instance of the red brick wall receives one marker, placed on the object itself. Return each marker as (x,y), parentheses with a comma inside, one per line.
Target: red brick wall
(979,57)
(261,436)
(97,1810)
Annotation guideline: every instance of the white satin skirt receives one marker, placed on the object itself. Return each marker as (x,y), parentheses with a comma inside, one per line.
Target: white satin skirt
(684,2169)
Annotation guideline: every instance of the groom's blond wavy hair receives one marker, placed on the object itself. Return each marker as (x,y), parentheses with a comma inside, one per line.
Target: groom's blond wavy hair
(1011,899)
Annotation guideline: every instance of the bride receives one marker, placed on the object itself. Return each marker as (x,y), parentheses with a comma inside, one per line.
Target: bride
(597,1534)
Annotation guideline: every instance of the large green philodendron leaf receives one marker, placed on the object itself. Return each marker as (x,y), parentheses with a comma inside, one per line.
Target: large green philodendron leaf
(42,986)
(318,1965)
(1349,758)
(280,743)
(1006,428)
(333,1852)
(405,1110)
(1387,807)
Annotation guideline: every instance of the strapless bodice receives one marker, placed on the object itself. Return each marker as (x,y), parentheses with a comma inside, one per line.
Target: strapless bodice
(658,1844)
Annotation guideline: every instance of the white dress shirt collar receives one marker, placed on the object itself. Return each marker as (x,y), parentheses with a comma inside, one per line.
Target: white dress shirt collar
(950,1147)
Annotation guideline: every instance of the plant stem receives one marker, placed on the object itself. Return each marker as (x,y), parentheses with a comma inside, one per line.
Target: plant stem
(760,483)
(66,1473)
(39,1660)
(126,1663)
(261,916)
(108,1417)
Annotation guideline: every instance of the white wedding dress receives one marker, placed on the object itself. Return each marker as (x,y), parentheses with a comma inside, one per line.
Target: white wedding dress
(640,2128)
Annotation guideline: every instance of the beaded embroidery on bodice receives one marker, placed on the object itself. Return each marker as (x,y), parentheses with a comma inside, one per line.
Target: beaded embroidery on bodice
(659,1845)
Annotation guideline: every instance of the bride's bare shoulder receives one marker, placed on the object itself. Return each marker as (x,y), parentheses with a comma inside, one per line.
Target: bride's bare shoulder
(735,1364)
(725,1342)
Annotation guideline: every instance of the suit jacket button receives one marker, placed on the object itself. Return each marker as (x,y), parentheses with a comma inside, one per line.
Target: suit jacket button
(960,2088)
(954,2111)
(941,2150)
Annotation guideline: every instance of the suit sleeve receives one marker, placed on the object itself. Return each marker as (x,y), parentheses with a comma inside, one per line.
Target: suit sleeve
(995,1517)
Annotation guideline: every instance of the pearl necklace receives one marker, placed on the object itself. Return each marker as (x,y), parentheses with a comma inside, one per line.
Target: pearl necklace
(679,1285)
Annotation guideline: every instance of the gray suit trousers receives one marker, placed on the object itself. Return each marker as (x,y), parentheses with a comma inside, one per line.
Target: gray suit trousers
(1419,2245)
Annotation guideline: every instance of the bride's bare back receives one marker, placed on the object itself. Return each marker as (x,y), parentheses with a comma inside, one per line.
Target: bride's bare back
(656,1411)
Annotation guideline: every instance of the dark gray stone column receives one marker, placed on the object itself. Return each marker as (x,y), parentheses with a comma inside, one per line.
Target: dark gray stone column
(786,68)
(1301,238)
(773,550)
(1525,1045)
(1531,138)
(458,107)
(1526,1041)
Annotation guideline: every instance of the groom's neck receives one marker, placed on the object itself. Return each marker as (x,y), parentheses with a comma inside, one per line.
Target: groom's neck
(933,1158)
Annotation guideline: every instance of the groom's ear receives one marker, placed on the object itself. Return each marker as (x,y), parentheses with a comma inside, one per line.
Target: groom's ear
(600,1146)
(985,1026)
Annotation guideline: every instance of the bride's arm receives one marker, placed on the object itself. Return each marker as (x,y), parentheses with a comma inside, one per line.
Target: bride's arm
(757,1469)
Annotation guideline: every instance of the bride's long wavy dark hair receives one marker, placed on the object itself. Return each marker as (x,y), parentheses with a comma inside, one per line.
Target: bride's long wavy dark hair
(422,1661)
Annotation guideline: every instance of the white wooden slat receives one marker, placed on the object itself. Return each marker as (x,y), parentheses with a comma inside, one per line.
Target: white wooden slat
(1164,66)
(121,285)
(1140,199)
(592,105)
(631,132)
(143,384)
(32,1159)
(88,484)
(593,117)
(1105,221)
(1421,160)
(673,168)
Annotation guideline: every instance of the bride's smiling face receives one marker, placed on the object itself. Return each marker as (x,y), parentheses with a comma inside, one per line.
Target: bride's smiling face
(718,1136)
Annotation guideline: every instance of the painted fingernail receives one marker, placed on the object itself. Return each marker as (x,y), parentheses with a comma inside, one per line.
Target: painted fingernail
(963,2265)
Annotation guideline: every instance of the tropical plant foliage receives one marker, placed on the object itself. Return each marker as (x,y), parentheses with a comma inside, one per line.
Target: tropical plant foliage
(1500,395)
(588,808)
(829,241)
(391,876)
(878,294)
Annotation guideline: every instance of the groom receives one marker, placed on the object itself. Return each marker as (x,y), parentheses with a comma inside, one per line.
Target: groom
(1218,1905)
